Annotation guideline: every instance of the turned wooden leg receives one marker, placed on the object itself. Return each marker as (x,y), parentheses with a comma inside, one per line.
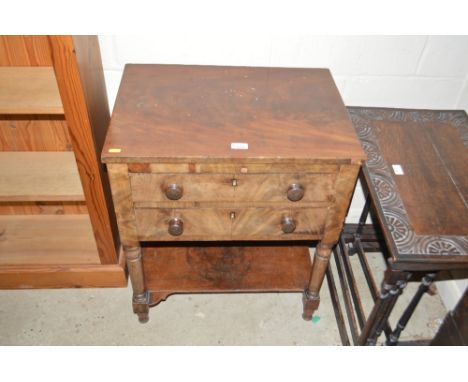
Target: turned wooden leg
(426,282)
(311,297)
(392,286)
(140,295)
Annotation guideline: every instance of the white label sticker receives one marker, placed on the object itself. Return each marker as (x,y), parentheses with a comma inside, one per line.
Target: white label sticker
(397,169)
(239,146)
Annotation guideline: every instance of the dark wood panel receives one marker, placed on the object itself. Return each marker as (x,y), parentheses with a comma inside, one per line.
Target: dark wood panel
(218,269)
(432,200)
(174,111)
(423,238)
(453,156)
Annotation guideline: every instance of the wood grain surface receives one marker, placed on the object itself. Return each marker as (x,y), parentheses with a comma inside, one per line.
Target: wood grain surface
(29,90)
(196,188)
(274,187)
(183,126)
(199,223)
(39,176)
(124,210)
(44,208)
(52,96)
(237,167)
(163,112)
(265,223)
(25,51)
(416,175)
(76,102)
(434,187)
(34,133)
(226,269)
(220,223)
(232,187)
(47,239)
(344,187)
(64,276)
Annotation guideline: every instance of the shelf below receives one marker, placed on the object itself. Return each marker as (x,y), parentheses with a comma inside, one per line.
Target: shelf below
(29,90)
(39,176)
(226,269)
(47,239)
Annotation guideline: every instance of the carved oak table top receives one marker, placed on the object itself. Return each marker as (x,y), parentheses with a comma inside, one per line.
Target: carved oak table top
(417,173)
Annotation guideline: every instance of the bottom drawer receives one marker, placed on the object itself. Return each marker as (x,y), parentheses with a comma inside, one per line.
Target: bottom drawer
(278,223)
(165,224)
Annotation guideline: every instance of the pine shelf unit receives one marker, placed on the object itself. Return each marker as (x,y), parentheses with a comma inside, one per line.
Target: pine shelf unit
(57,226)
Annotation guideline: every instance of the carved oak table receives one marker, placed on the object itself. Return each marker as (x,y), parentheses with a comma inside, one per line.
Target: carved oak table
(416,177)
(222,177)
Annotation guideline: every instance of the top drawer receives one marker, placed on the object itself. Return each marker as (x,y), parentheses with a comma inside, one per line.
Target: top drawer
(297,188)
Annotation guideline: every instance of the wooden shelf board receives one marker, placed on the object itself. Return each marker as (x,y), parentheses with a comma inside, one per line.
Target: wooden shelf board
(231,268)
(47,239)
(39,176)
(29,90)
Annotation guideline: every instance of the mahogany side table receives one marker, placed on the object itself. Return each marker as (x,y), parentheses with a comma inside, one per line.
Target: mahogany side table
(223,176)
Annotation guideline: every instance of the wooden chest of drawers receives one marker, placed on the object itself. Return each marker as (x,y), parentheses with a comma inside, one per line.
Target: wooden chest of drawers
(227,205)
(200,154)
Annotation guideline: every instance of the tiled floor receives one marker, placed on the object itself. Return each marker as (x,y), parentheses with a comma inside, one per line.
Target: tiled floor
(104,317)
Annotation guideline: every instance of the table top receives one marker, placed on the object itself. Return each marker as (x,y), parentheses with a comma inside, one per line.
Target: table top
(180,112)
(417,173)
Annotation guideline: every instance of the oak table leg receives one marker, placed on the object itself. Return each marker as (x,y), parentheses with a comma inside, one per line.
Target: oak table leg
(403,321)
(392,287)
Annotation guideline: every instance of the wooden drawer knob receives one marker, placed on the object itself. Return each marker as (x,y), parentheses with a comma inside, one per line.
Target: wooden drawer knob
(295,192)
(288,225)
(173,191)
(176,227)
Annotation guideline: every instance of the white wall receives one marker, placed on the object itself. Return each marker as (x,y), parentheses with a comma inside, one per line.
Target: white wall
(395,71)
